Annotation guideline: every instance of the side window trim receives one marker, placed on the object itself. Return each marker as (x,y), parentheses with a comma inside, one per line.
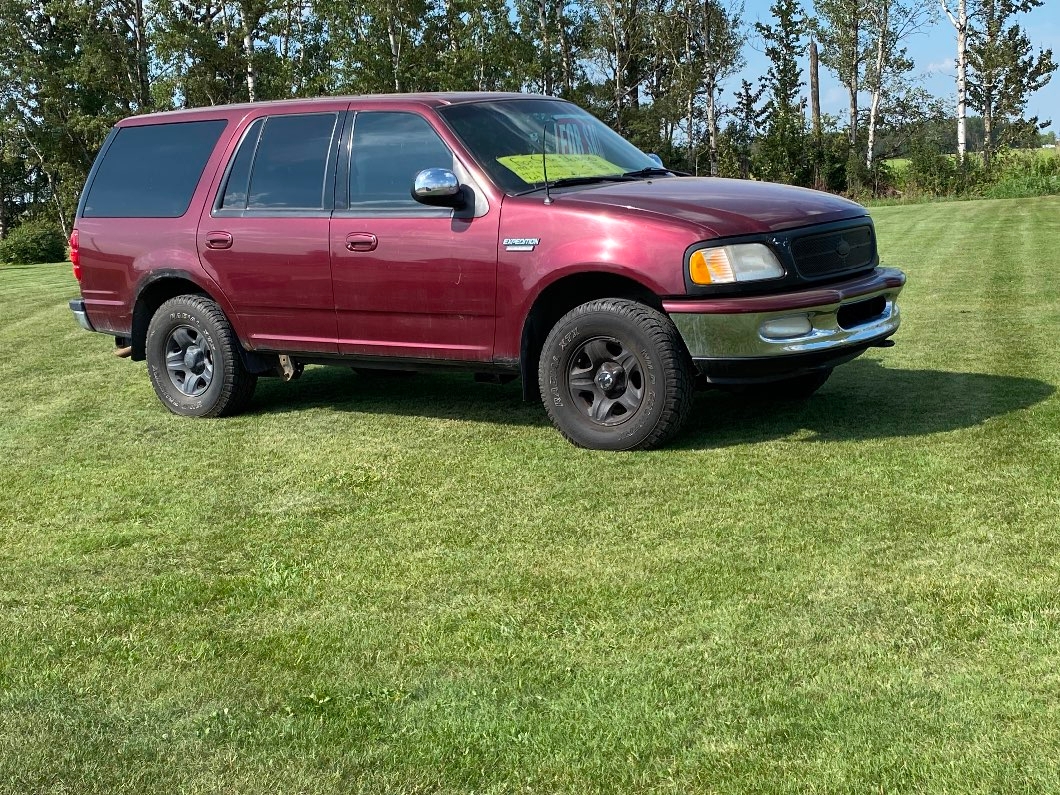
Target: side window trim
(344,156)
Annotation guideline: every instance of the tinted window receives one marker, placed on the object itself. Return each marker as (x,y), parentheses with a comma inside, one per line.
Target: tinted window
(151,171)
(389,149)
(235,196)
(291,162)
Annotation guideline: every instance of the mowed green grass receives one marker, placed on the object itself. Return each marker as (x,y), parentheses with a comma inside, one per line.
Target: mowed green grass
(372,584)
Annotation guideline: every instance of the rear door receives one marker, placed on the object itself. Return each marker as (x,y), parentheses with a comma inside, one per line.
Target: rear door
(265,236)
(411,281)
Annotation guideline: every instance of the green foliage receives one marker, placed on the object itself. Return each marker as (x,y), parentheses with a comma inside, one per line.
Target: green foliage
(784,151)
(932,173)
(69,69)
(1023,174)
(1005,70)
(33,242)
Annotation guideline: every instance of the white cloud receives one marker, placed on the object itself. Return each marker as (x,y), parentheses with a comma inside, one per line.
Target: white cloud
(947,66)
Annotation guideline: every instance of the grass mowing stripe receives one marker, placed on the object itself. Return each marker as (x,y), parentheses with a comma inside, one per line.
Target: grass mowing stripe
(369,584)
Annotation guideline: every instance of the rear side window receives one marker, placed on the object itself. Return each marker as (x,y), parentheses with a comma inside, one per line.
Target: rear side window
(282,164)
(151,171)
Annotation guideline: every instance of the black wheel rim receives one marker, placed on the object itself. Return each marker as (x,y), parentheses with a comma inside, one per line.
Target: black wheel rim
(606,381)
(189,360)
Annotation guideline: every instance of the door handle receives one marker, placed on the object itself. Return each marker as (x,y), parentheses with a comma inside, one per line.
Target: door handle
(361,241)
(218,240)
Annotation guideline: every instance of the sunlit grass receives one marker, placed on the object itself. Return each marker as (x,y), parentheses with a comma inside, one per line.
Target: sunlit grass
(415,585)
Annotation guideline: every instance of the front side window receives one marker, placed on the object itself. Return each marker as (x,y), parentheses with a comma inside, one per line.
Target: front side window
(282,164)
(389,149)
(151,171)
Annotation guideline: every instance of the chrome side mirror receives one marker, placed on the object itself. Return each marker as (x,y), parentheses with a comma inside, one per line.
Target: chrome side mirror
(438,187)
(656,160)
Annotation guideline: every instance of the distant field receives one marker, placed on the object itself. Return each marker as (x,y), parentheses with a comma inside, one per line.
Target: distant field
(389,585)
(901,163)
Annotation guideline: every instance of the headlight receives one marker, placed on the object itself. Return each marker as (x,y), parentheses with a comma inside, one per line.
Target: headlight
(745,262)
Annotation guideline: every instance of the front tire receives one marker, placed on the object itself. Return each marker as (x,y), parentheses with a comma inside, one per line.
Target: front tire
(615,375)
(193,359)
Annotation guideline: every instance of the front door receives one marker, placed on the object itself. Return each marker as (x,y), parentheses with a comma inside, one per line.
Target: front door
(411,281)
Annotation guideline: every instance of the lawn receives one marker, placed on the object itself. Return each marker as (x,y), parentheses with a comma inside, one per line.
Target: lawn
(414,585)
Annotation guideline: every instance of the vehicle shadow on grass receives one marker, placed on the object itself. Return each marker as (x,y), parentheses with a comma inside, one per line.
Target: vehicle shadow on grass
(862,400)
(865,400)
(441,395)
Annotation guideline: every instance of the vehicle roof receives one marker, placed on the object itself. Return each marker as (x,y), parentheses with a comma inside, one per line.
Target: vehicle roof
(431,99)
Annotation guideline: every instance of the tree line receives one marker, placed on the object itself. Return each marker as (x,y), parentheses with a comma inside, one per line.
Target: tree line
(658,71)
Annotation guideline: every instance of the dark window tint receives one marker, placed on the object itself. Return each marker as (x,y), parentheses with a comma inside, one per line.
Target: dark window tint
(235,196)
(389,149)
(151,171)
(291,162)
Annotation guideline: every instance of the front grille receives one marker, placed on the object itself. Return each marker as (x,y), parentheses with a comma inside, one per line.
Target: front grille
(840,251)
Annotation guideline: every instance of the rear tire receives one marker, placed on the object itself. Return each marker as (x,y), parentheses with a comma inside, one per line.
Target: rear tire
(193,359)
(615,375)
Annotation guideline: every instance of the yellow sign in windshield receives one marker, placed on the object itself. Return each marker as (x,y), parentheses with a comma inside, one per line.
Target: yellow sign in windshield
(529,167)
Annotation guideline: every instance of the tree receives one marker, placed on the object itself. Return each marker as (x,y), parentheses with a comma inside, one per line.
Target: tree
(1004,68)
(842,31)
(719,39)
(742,131)
(476,45)
(698,43)
(891,23)
(960,20)
(64,78)
(547,44)
(783,145)
(618,39)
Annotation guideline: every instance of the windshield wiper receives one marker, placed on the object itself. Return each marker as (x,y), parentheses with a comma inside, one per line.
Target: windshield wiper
(587,180)
(654,171)
(563,182)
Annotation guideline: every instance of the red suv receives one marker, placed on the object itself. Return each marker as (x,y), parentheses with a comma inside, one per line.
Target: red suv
(505,234)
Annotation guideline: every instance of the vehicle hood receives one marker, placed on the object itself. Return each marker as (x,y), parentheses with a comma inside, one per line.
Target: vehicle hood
(722,207)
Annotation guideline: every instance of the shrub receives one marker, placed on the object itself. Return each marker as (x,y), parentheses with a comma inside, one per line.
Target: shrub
(1021,174)
(33,242)
(930,172)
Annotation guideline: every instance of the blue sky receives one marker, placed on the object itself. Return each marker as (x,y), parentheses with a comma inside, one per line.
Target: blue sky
(933,52)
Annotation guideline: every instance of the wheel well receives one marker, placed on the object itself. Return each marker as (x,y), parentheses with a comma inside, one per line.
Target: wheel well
(558,299)
(147,303)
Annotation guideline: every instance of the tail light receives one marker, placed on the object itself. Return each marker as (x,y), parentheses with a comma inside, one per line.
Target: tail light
(75,255)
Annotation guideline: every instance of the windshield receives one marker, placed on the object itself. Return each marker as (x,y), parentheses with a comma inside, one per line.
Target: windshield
(508,138)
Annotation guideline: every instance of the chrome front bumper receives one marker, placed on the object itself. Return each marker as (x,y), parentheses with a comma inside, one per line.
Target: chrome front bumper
(835,319)
(77,306)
